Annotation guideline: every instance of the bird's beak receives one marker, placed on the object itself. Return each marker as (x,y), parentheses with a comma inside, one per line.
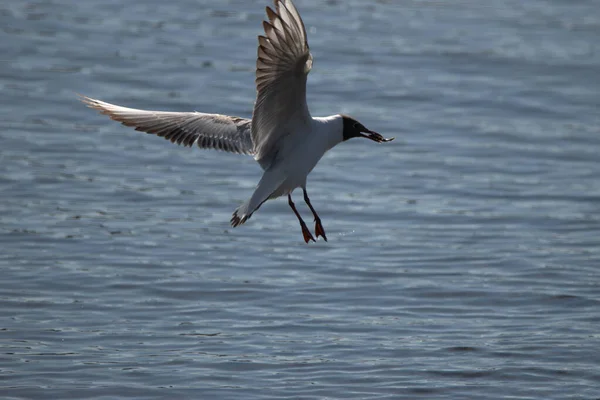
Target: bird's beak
(376,137)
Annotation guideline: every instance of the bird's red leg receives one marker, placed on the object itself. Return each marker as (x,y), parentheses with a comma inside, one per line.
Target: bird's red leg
(305,232)
(319,231)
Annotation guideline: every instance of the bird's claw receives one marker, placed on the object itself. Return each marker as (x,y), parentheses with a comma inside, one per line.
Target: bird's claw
(307,235)
(319,231)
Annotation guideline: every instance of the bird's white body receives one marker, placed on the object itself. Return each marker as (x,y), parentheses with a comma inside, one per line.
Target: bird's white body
(298,155)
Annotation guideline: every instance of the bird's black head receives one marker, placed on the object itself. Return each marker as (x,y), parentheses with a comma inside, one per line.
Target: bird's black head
(353,128)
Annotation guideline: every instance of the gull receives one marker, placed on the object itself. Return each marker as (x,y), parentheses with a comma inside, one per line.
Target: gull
(282,136)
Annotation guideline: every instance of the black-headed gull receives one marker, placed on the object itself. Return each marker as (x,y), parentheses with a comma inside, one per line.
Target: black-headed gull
(282,136)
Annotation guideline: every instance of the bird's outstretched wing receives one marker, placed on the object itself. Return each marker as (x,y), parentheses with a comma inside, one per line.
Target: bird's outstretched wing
(282,66)
(208,131)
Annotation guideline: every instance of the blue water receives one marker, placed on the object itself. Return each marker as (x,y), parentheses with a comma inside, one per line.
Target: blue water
(463,258)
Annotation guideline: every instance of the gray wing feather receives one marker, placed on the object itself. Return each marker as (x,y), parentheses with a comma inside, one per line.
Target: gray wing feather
(208,131)
(282,65)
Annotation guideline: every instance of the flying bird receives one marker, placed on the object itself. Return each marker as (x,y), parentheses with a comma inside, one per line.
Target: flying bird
(282,136)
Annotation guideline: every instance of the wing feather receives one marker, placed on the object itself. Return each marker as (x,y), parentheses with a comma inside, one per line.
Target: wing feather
(282,65)
(208,131)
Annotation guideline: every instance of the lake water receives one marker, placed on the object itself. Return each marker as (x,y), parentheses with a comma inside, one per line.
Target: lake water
(463,259)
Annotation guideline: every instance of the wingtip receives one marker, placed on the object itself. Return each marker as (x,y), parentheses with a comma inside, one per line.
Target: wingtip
(81,97)
(271,14)
(88,101)
(102,107)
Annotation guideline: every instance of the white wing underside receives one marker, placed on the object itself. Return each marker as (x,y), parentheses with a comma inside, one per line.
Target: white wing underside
(207,131)
(282,66)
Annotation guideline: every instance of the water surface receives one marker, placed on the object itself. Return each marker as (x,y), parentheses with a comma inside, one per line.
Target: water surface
(463,257)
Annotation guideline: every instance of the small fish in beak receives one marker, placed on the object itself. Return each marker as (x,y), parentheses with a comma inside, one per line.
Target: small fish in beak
(376,137)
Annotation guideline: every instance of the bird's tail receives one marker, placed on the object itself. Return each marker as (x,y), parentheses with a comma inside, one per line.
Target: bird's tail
(242,214)
(265,190)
